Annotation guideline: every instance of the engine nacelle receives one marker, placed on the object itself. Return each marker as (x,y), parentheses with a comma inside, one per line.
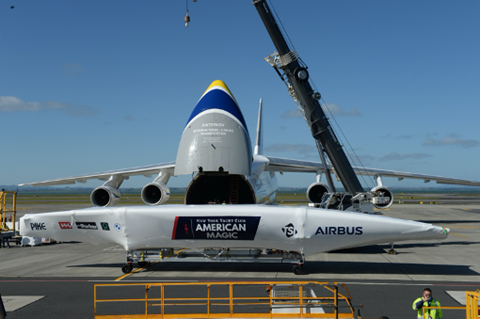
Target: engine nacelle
(387,200)
(105,196)
(316,191)
(155,193)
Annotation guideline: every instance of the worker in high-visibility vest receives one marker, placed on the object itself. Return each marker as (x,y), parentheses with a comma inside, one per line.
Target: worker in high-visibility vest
(427,301)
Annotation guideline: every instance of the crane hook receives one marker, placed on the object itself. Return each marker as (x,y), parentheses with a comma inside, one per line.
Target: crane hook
(187,19)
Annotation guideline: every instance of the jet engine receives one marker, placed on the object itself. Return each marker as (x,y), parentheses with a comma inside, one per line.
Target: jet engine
(387,197)
(316,191)
(105,196)
(155,193)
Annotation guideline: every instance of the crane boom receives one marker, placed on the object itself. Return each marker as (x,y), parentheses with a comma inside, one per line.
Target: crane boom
(297,76)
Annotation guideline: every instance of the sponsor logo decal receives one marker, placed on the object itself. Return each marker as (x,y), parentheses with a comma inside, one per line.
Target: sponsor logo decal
(65,225)
(86,225)
(105,226)
(38,226)
(215,227)
(289,230)
(118,227)
(339,230)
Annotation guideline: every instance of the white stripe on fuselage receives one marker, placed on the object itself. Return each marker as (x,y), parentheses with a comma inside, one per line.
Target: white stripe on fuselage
(217,111)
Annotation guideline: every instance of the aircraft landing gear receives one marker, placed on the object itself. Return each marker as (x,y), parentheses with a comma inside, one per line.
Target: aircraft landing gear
(127,268)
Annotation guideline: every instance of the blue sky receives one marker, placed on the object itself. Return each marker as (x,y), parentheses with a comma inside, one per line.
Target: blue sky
(87,86)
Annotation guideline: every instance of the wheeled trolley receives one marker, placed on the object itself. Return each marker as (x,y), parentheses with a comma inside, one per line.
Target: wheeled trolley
(146,256)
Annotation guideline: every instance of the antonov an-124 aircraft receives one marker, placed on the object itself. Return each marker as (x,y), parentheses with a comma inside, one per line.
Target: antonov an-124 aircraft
(215,145)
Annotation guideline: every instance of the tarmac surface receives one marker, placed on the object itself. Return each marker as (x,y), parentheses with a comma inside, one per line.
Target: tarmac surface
(56,280)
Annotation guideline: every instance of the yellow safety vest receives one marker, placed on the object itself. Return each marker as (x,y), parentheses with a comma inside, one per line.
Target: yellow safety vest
(433,313)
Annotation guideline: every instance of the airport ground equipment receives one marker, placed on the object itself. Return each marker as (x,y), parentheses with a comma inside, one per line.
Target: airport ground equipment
(293,72)
(213,255)
(8,210)
(223,299)
(471,308)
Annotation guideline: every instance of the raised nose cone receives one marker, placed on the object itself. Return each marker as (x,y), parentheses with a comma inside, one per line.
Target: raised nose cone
(218,97)
(215,138)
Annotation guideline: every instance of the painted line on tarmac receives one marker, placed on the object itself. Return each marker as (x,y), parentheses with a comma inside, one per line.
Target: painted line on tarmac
(132,272)
(138,269)
(406,284)
(45,280)
(140,281)
(459,235)
(13,303)
(464,227)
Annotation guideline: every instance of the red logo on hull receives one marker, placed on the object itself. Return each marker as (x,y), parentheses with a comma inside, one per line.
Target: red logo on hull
(65,225)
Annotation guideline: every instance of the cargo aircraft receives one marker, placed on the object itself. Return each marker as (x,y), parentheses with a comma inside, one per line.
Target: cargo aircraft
(215,146)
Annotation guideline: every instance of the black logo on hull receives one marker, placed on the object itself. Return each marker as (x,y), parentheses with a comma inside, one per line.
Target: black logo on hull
(339,230)
(289,230)
(215,227)
(86,225)
(38,226)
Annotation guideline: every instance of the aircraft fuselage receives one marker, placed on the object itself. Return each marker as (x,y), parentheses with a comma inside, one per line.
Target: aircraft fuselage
(215,145)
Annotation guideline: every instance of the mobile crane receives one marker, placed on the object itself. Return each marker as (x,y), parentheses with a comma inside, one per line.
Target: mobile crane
(293,72)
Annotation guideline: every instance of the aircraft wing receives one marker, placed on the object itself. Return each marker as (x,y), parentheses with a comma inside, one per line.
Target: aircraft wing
(278,164)
(148,171)
(290,165)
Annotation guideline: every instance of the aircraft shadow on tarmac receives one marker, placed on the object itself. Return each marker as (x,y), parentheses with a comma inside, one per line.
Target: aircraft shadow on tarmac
(387,268)
(317,267)
(114,265)
(382,249)
(310,267)
(451,243)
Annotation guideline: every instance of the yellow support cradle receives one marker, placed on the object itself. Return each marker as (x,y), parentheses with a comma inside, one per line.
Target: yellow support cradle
(8,204)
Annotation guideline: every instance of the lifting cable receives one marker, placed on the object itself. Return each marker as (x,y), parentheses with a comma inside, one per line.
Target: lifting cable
(187,17)
(281,27)
(353,158)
